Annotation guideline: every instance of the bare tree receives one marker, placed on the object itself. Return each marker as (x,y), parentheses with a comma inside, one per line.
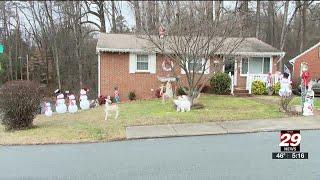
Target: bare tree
(191,43)
(49,16)
(99,13)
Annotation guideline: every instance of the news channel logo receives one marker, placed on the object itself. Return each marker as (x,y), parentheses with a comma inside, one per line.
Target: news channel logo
(290,145)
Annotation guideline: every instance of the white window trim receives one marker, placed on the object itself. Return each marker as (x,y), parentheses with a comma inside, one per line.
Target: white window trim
(147,70)
(270,68)
(206,70)
(152,63)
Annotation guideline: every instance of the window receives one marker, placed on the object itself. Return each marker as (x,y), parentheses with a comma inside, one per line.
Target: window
(244,68)
(195,65)
(142,62)
(255,65)
(266,65)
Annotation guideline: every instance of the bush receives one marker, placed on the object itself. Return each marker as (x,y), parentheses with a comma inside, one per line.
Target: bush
(132,96)
(276,88)
(220,83)
(19,103)
(180,91)
(205,88)
(258,88)
(284,103)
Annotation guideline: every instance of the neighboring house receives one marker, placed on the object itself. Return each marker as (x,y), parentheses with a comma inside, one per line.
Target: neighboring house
(312,57)
(126,63)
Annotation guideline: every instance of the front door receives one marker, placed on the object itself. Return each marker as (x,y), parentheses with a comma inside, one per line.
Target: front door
(229,65)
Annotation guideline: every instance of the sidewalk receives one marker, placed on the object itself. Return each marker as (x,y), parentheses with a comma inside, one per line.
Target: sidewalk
(223,127)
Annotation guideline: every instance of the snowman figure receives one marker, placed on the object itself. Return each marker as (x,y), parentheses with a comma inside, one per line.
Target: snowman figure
(84,103)
(60,103)
(72,108)
(308,103)
(285,86)
(48,111)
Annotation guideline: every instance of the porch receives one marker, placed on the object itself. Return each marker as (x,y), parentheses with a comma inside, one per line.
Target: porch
(243,70)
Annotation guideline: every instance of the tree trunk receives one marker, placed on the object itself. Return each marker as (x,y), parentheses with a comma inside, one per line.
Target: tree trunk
(217,10)
(244,14)
(283,32)
(303,25)
(258,19)
(113,14)
(7,43)
(137,15)
(102,16)
(270,32)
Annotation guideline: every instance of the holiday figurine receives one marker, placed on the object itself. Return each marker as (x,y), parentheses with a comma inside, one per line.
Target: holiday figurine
(72,108)
(116,95)
(84,103)
(60,103)
(48,111)
(285,86)
(305,79)
(161,32)
(308,102)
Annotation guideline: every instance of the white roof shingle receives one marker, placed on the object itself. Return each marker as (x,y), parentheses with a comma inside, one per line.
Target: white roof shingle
(132,43)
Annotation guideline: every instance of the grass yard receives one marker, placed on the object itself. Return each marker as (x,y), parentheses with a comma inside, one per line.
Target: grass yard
(296,100)
(89,126)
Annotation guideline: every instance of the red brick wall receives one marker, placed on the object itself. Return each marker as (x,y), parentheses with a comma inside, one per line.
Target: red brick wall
(313,60)
(114,69)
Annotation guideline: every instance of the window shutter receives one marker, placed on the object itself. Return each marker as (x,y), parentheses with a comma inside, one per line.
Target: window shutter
(152,63)
(207,71)
(132,63)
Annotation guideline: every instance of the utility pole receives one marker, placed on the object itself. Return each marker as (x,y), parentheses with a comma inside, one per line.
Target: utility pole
(27,67)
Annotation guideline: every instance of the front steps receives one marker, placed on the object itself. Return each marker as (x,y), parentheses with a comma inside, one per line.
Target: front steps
(241,93)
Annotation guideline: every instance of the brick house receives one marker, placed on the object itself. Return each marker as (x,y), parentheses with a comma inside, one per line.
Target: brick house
(312,57)
(126,63)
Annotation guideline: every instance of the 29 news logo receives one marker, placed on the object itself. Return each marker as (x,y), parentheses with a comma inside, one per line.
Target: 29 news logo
(290,141)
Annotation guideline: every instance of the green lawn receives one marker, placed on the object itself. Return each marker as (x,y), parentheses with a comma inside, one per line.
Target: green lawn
(296,100)
(88,126)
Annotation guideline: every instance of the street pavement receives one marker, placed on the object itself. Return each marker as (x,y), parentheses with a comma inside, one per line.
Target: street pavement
(223,127)
(231,156)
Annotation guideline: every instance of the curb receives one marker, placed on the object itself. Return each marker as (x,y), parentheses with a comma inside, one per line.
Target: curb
(213,134)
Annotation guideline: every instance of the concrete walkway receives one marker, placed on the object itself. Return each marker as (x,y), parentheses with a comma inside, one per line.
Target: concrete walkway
(223,127)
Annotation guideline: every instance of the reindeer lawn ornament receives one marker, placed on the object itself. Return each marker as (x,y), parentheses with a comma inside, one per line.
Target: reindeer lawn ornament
(168,91)
(109,107)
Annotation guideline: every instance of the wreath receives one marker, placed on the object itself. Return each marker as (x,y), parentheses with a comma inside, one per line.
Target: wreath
(164,65)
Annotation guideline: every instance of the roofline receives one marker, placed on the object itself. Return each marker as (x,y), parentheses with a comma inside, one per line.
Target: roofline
(260,53)
(125,50)
(306,51)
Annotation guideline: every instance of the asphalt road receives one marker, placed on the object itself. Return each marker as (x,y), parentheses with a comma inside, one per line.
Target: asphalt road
(235,156)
